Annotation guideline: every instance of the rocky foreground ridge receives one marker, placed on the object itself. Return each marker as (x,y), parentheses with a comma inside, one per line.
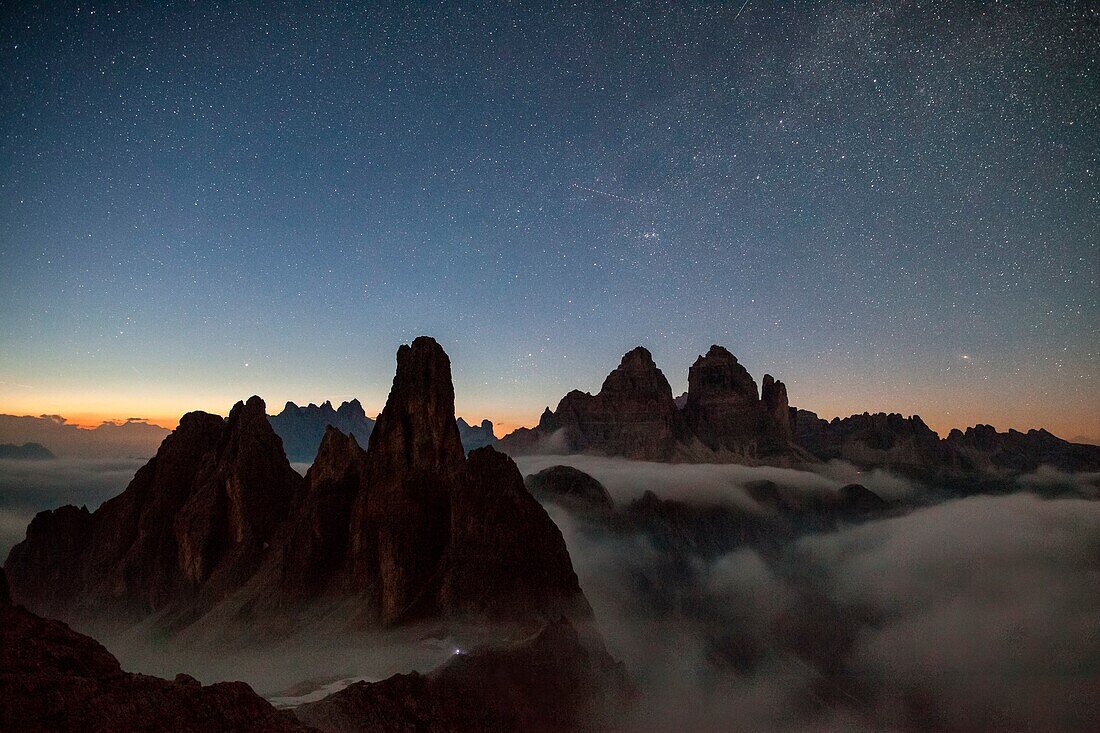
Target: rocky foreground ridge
(725,418)
(219,523)
(55,679)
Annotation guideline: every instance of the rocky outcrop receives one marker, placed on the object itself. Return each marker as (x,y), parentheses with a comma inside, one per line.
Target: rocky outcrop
(573,490)
(302,428)
(218,522)
(721,417)
(191,526)
(415,462)
(725,412)
(506,559)
(314,548)
(773,394)
(633,415)
(47,567)
(432,532)
(54,679)
(552,682)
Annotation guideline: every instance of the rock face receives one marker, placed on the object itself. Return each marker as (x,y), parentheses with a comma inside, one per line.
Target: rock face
(217,520)
(429,531)
(190,527)
(302,428)
(551,682)
(724,411)
(573,489)
(867,440)
(635,416)
(315,545)
(25,452)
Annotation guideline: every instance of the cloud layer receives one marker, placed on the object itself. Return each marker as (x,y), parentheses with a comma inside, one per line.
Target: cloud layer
(975,614)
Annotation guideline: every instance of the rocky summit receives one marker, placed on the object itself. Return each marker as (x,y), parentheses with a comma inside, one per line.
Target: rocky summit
(725,418)
(721,417)
(408,528)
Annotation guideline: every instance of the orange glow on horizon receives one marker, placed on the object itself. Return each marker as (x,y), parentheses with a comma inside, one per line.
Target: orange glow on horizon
(1069,427)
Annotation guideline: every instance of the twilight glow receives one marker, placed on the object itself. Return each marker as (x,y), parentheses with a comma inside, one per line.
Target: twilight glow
(889,207)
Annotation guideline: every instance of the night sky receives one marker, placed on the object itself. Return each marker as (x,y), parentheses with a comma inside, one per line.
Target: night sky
(890,206)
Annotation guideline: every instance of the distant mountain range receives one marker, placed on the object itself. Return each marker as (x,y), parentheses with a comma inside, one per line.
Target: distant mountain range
(133,438)
(25,452)
(725,418)
(218,534)
(302,428)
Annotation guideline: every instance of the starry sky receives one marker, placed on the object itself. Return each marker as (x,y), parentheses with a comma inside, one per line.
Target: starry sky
(890,206)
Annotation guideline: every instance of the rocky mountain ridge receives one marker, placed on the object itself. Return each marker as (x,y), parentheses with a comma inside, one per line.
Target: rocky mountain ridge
(725,418)
(218,522)
(302,428)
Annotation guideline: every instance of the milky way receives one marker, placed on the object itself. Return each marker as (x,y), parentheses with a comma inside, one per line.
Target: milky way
(889,205)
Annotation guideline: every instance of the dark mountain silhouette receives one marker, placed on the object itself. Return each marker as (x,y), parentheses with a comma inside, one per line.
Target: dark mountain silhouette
(301,428)
(909,446)
(54,679)
(188,530)
(724,418)
(25,452)
(476,436)
(410,528)
(634,415)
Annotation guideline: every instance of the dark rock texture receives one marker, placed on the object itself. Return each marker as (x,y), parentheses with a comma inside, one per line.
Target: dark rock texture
(573,489)
(25,452)
(552,682)
(429,531)
(911,447)
(633,415)
(190,527)
(722,416)
(725,413)
(506,559)
(315,545)
(872,440)
(54,679)
(409,528)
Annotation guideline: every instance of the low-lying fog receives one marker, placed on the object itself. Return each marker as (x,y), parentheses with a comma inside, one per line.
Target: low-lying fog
(975,613)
